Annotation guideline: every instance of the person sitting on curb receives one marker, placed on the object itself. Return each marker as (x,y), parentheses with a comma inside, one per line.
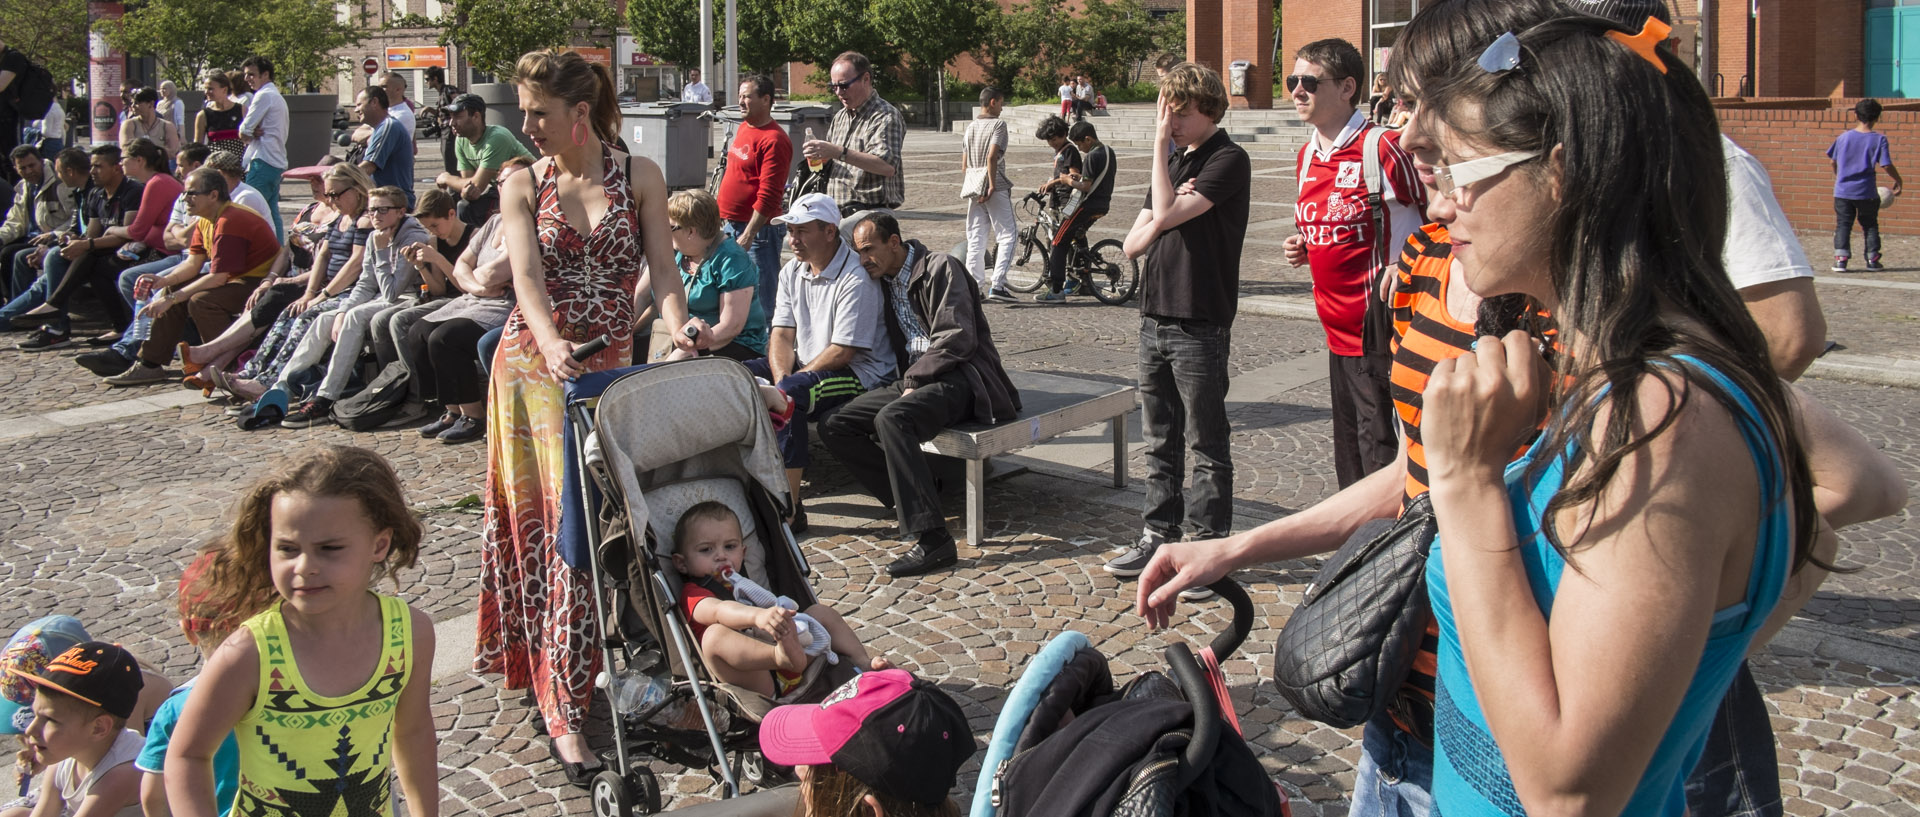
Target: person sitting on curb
(952,374)
(828,343)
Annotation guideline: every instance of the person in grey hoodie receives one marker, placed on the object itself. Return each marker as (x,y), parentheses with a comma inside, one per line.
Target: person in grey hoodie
(387,279)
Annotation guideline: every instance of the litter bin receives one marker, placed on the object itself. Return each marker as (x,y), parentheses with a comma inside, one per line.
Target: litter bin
(673,135)
(1237,71)
(503,109)
(797,119)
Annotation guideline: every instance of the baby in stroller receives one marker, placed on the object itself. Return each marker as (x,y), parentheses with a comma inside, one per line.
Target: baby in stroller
(758,648)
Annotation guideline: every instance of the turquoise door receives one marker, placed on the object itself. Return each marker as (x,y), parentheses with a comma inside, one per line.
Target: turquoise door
(1893,52)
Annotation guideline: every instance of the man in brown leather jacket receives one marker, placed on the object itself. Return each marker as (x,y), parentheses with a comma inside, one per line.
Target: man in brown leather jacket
(951,374)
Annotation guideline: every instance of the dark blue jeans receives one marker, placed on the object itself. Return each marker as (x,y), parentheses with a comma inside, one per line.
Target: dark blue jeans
(766,256)
(1845,212)
(1183,399)
(1395,775)
(813,394)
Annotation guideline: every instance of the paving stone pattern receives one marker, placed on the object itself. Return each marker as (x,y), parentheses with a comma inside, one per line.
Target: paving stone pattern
(97,520)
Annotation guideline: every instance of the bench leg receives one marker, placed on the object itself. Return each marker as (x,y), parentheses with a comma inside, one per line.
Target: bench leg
(1118,426)
(976,500)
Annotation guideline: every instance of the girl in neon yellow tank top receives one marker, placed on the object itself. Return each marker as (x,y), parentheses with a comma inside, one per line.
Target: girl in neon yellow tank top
(326,685)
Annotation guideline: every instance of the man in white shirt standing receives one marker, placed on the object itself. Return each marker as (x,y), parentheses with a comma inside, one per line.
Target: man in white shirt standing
(695,90)
(403,108)
(264,129)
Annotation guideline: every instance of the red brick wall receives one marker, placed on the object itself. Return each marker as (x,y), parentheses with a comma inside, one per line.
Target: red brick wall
(1793,146)
(1304,21)
(1810,47)
(1203,33)
(1248,35)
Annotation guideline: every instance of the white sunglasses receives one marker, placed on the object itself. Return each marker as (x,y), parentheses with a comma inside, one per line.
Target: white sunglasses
(1448,178)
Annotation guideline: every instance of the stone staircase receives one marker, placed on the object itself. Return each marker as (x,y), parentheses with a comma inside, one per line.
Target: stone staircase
(1274,134)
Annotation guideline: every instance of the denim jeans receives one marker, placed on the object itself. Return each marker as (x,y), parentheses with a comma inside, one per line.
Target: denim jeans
(266,179)
(995,215)
(1183,399)
(52,271)
(814,395)
(1395,777)
(766,256)
(1845,212)
(1739,774)
(489,343)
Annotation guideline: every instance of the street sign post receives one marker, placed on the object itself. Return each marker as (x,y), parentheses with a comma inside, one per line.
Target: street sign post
(371,65)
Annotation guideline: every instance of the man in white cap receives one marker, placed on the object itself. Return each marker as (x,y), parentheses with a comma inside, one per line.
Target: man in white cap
(829,342)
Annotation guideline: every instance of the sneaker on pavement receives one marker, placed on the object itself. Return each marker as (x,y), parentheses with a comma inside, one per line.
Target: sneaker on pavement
(1201,593)
(105,363)
(139,374)
(1874,265)
(45,339)
(433,429)
(317,410)
(1050,297)
(1134,559)
(1839,265)
(464,429)
(1001,295)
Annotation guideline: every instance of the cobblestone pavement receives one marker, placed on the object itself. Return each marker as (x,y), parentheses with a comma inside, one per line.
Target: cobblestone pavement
(96,520)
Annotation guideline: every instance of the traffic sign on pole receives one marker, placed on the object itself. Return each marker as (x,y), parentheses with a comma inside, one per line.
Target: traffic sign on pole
(371,65)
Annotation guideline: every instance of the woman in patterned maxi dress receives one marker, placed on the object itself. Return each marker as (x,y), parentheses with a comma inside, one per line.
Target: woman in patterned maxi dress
(575,279)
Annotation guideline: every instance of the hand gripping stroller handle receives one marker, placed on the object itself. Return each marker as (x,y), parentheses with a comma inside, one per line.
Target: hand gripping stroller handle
(1206,711)
(1225,643)
(589,349)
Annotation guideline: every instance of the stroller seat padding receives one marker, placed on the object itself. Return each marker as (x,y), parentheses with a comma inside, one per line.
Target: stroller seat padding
(669,502)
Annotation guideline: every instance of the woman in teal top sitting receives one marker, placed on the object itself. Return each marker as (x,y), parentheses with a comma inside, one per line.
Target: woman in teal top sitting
(719,277)
(1595,597)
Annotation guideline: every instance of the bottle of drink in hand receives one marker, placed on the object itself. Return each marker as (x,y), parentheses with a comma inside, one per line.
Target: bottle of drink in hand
(814,164)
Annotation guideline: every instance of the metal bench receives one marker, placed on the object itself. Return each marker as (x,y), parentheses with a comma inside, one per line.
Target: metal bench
(1052,405)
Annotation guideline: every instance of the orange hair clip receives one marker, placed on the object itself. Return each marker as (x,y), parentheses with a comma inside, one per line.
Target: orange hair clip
(1650,37)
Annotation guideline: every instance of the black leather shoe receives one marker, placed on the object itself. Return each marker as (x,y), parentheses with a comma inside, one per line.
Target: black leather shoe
(798,524)
(934,551)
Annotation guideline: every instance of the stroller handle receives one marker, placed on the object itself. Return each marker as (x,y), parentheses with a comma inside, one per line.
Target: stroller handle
(1225,643)
(1206,711)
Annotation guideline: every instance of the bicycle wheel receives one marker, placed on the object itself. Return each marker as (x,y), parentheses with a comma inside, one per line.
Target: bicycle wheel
(714,176)
(1030,259)
(1114,276)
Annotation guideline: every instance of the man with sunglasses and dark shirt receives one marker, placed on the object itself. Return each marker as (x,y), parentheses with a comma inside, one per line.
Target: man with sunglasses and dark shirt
(1347,237)
(863,145)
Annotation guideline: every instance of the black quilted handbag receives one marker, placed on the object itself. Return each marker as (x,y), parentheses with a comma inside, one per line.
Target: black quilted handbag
(1343,655)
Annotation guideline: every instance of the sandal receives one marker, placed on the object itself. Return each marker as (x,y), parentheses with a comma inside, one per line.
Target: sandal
(187,363)
(579,775)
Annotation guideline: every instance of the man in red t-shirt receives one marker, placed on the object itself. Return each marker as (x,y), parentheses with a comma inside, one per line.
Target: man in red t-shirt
(1341,244)
(758,162)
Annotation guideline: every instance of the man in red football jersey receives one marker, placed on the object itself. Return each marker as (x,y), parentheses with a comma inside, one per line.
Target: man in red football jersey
(1353,215)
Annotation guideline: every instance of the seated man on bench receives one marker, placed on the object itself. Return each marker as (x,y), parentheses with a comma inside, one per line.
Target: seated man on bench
(828,342)
(952,374)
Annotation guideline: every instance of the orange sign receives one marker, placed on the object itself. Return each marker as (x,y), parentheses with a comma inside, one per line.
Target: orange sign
(421,56)
(601,56)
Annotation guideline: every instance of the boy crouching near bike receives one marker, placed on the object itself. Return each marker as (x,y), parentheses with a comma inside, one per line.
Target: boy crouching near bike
(1092,194)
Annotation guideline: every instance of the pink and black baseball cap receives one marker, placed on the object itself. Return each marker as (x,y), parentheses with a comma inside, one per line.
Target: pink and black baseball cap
(899,734)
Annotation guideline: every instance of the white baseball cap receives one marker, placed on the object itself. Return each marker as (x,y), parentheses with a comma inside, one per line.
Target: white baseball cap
(811,207)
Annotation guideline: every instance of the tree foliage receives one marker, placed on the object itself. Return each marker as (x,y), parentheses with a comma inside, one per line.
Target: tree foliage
(52,33)
(492,34)
(1108,38)
(931,32)
(819,30)
(1026,37)
(191,37)
(670,30)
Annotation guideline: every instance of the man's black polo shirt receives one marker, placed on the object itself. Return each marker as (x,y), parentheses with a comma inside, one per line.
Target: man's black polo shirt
(1192,271)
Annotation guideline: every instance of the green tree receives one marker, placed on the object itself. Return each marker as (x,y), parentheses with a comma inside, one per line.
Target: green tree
(188,36)
(670,30)
(932,33)
(1108,38)
(492,34)
(301,36)
(819,30)
(52,33)
(1024,39)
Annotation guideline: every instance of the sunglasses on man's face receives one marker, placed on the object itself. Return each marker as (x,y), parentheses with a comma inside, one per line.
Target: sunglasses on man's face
(837,87)
(383,209)
(1307,81)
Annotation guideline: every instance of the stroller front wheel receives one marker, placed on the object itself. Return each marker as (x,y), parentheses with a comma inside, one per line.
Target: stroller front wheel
(636,793)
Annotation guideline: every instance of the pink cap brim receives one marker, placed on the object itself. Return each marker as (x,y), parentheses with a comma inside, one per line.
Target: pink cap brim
(790,736)
(308,173)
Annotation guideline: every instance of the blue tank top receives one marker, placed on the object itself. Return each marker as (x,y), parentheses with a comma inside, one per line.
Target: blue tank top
(1469,775)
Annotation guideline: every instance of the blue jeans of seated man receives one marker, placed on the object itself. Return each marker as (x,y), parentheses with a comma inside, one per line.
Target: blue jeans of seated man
(266,179)
(52,271)
(813,394)
(1183,399)
(766,256)
(129,343)
(1395,776)
(489,343)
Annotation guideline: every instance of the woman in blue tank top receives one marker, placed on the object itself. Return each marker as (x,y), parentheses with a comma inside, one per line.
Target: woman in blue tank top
(1595,597)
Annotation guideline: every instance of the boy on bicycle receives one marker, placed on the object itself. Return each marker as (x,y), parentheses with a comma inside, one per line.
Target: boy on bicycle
(1091,194)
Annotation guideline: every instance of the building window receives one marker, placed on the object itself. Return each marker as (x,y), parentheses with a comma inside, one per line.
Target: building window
(1386,18)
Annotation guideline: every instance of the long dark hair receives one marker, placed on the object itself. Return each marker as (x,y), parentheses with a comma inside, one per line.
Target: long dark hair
(570,78)
(1639,230)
